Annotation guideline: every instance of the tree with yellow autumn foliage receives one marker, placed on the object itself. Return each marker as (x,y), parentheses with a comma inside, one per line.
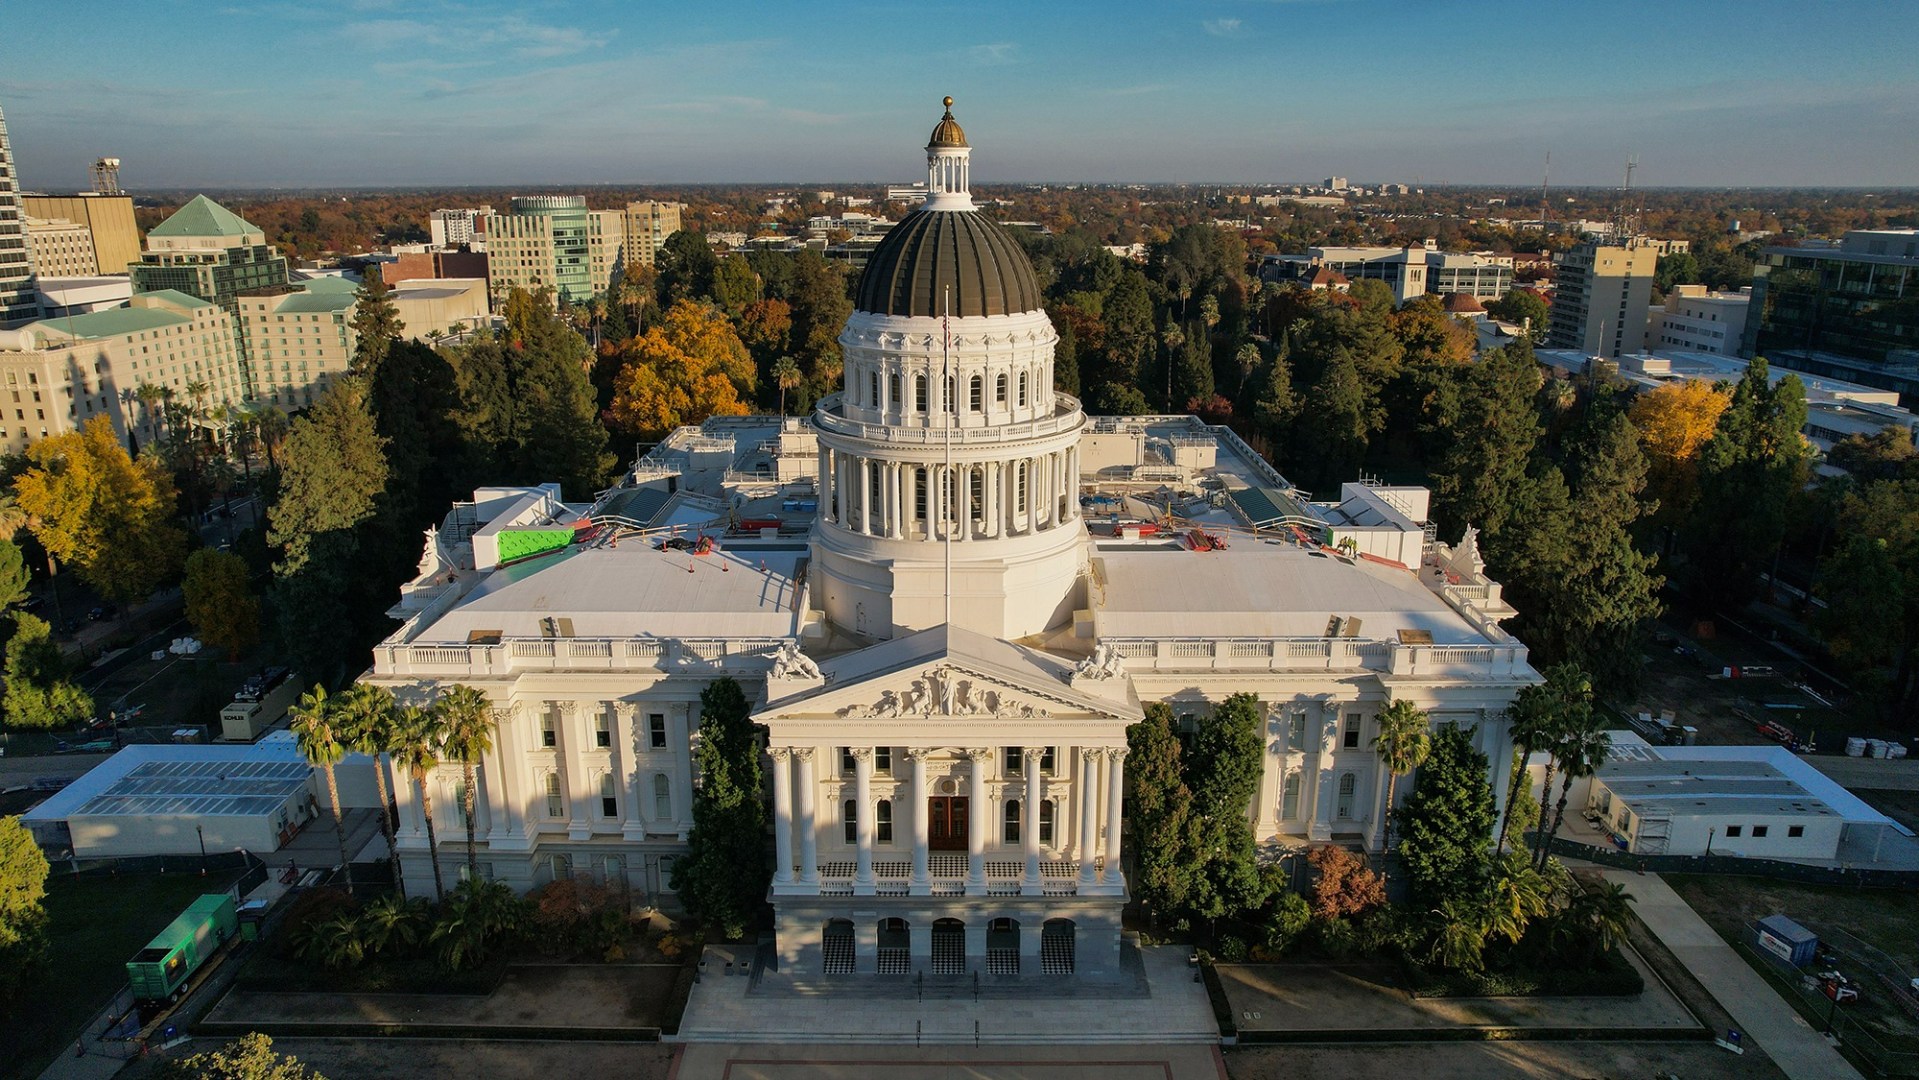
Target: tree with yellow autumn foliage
(1675,422)
(688,366)
(106,514)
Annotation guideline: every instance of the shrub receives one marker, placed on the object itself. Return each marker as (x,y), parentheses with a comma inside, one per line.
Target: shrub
(1232,950)
(309,911)
(1291,916)
(578,917)
(1334,937)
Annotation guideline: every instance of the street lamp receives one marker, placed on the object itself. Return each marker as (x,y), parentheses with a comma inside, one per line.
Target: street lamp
(202,834)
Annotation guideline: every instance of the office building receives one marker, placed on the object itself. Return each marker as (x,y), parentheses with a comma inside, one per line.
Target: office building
(18,300)
(60,248)
(208,251)
(108,220)
(1410,272)
(1698,319)
(119,363)
(299,338)
(554,242)
(1848,309)
(419,265)
(1600,297)
(945,628)
(648,224)
(455,228)
(80,295)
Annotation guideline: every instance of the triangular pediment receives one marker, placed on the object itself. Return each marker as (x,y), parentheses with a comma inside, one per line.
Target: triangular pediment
(944,673)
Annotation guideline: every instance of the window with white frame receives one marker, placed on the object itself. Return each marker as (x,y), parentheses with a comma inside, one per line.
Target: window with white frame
(662,797)
(555,802)
(850,820)
(609,796)
(883,821)
(656,730)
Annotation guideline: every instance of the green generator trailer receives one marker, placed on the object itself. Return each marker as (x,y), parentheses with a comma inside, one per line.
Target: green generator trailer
(158,971)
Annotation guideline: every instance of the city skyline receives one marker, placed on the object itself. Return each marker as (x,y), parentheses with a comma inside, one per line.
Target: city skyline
(590,93)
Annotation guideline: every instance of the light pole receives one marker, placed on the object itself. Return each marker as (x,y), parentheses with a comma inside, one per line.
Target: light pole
(202,834)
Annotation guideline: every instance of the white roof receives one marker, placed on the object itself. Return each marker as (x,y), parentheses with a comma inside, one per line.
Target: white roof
(1262,590)
(1705,780)
(173,779)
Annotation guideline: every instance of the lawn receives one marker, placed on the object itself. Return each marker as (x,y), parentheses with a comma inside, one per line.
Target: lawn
(1873,930)
(98,923)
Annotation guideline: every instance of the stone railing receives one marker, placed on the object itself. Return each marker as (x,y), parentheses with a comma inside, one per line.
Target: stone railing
(708,657)
(1320,654)
(947,876)
(1066,417)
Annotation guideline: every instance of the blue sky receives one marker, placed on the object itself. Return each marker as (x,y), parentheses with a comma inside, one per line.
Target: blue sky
(380,92)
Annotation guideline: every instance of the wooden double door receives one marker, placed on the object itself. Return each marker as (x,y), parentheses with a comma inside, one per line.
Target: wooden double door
(947,822)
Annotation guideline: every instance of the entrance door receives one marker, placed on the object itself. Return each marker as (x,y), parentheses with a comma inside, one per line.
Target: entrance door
(946,822)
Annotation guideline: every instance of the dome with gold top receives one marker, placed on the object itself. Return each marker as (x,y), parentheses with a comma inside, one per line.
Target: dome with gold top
(947,132)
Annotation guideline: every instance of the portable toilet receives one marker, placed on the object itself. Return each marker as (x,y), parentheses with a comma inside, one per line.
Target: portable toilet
(1785,941)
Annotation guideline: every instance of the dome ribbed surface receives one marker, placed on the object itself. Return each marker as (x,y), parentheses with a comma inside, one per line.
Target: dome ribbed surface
(930,250)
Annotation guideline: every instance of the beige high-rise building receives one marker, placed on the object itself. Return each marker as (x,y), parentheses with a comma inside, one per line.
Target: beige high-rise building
(1601,297)
(61,248)
(648,224)
(299,338)
(108,220)
(57,374)
(554,242)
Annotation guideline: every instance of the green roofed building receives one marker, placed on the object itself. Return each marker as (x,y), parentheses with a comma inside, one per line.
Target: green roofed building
(208,251)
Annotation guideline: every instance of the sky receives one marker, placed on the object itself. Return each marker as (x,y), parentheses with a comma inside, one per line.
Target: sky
(366,93)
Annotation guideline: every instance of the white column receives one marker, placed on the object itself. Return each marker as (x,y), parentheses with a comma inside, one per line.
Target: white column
(863,823)
(1088,813)
(922,843)
(978,820)
(507,758)
(866,496)
(573,741)
(680,739)
(1325,786)
(1029,819)
(1043,492)
(809,828)
(990,494)
(826,484)
(1115,793)
(782,815)
(1272,735)
(896,494)
(626,759)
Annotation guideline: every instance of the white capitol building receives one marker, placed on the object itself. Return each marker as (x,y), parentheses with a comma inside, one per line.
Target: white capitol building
(949,591)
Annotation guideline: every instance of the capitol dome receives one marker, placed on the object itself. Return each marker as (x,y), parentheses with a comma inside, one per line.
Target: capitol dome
(934,251)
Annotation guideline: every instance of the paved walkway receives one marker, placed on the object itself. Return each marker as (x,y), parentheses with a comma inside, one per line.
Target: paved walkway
(716,1061)
(1175,1011)
(1765,1018)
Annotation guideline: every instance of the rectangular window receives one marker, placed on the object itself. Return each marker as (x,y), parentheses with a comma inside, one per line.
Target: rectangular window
(662,798)
(1795,830)
(1734,830)
(1046,760)
(602,731)
(1351,739)
(549,735)
(1758,831)
(1009,829)
(850,819)
(883,821)
(1010,763)
(656,730)
(848,765)
(555,802)
(609,802)
(883,760)
(1046,822)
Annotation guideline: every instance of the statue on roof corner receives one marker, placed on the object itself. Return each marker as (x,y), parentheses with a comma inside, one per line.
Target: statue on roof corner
(1105,663)
(790,663)
(1468,554)
(430,561)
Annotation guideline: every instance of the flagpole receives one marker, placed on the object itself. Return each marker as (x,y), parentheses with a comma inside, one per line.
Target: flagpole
(949,393)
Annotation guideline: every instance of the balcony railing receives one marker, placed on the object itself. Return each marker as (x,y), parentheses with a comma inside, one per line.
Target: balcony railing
(1320,654)
(947,876)
(700,656)
(1066,417)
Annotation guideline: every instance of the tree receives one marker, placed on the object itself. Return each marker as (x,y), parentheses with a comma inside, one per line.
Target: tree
(376,324)
(467,725)
(39,692)
(1127,319)
(13,574)
(1674,423)
(12,517)
(1343,885)
(1403,743)
(685,265)
(1519,894)
(1223,770)
(723,878)
(554,426)
(220,601)
(1524,307)
(415,749)
(319,742)
(250,1057)
(111,517)
(786,376)
(1277,404)
(1333,433)
(365,716)
(1162,821)
(475,915)
(23,916)
(1580,751)
(1447,822)
(1749,472)
(1679,268)
(336,468)
(1599,919)
(1540,714)
(735,286)
(1481,472)
(689,366)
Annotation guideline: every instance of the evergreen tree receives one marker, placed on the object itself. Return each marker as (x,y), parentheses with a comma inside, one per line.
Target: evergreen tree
(376,324)
(1127,318)
(1193,377)
(40,692)
(13,574)
(1222,771)
(1277,405)
(1162,822)
(556,431)
(1481,473)
(1748,474)
(723,876)
(684,266)
(1065,356)
(1445,827)
(1331,436)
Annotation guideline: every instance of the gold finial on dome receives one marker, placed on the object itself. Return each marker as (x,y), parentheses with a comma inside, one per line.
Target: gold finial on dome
(948,131)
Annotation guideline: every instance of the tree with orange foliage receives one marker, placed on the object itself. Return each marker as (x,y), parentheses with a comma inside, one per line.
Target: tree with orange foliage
(1675,422)
(1344,885)
(690,365)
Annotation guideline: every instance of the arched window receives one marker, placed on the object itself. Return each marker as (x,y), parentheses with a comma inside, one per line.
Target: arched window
(1009,833)
(978,400)
(555,802)
(919,393)
(883,821)
(1022,388)
(1046,822)
(999,392)
(662,797)
(1289,798)
(850,815)
(1348,785)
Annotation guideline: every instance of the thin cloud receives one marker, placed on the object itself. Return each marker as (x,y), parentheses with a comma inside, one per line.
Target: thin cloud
(1222,27)
(994,54)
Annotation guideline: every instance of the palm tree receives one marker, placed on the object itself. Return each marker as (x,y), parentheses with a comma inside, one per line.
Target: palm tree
(1520,894)
(320,744)
(1247,360)
(416,751)
(1599,917)
(393,920)
(1461,944)
(787,376)
(466,724)
(1538,716)
(1403,743)
(273,425)
(1580,752)
(365,719)
(12,518)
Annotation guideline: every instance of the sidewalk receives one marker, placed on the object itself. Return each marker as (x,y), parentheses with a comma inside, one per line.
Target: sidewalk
(1764,1018)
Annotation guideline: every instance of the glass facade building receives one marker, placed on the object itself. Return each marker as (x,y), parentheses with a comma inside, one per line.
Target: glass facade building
(18,300)
(1848,310)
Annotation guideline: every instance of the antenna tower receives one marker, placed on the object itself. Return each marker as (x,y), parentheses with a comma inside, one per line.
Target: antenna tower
(1545,181)
(106,176)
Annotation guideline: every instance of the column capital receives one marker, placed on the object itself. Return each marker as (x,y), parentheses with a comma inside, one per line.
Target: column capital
(1093,753)
(861,753)
(918,753)
(781,754)
(567,706)
(979,753)
(626,709)
(1032,755)
(802,753)
(1117,753)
